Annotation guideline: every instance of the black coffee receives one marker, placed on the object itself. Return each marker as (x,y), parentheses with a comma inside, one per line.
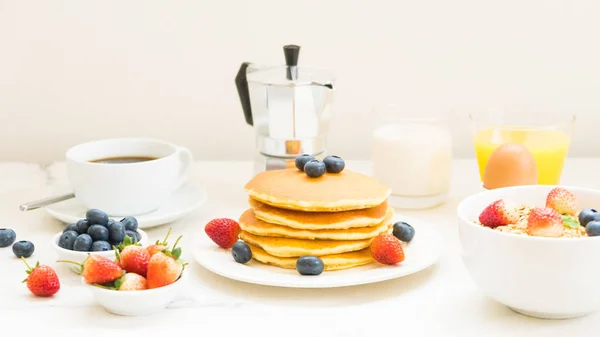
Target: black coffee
(123,160)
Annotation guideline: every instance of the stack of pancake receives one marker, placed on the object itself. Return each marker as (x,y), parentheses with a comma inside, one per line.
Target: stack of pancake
(334,217)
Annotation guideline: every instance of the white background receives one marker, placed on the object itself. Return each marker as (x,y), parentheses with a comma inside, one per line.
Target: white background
(72,71)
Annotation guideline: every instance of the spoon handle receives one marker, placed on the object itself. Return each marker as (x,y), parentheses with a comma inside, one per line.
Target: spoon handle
(45,202)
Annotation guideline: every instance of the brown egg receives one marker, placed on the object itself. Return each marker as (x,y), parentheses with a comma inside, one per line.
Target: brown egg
(511,164)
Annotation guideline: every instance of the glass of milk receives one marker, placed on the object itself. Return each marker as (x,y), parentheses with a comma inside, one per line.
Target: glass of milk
(413,156)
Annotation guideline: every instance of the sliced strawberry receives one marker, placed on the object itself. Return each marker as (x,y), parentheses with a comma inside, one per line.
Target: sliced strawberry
(499,213)
(544,221)
(562,201)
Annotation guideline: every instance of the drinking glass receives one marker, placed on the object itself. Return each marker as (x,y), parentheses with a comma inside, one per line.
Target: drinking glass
(413,156)
(546,134)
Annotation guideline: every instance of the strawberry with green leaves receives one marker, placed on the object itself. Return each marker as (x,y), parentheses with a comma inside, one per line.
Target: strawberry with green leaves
(133,258)
(159,246)
(41,280)
(98,269)
(165,267)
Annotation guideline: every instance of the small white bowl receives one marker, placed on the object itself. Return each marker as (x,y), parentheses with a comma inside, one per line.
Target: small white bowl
(138,302)
(552,278)
(79,257)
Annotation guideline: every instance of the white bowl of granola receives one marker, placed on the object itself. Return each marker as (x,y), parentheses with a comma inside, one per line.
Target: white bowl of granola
(519,256)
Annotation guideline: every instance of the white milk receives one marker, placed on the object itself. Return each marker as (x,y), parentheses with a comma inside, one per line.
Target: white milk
(414,159)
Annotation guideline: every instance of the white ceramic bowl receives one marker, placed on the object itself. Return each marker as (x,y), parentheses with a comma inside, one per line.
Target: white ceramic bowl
(553,278)
(137,303)
(79,257)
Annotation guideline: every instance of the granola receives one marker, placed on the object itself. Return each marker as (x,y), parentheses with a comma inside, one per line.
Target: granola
(520,226)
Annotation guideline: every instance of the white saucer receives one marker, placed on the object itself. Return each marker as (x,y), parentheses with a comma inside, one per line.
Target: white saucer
(423,251)
(182,202)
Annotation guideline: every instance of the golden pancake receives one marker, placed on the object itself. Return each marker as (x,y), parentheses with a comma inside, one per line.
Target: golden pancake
(249,223)
(286,247)
(332,192)
(330,262)
(320,220)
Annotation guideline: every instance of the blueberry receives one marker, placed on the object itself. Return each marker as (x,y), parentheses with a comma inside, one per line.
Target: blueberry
(309,265)
(314,168)
(96,217)
(67,239)
(83,243)
(135,237)
(71,227)
(593,228)
(334,164)
(101,246)
(82,226)
(110,223)
(7,237)
(98,233)
(241,252)
(116,233)
(130,223)
(403,231)
(587,215)
(302,159)
(23,248)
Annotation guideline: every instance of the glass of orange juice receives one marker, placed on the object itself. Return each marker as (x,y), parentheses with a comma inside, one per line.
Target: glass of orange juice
(547,135)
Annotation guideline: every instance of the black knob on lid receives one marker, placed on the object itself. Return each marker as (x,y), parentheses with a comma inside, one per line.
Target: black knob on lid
(291,54)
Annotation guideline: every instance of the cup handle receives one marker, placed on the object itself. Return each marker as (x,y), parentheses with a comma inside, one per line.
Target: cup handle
(187,161)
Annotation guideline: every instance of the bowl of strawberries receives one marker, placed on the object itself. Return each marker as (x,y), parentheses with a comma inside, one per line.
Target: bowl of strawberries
(528,247)
(138,280)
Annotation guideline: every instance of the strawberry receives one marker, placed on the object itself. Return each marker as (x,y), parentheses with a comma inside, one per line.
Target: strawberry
(499,213)
(224,232)
(155,249)
(163,270)
(387,249)
(545,222)
(131,281)
(159,246)
(98,269)
(165,267)
(134,259)
(562,201)
(42,280)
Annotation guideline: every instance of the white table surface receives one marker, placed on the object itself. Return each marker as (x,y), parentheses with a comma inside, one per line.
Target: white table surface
(440,301)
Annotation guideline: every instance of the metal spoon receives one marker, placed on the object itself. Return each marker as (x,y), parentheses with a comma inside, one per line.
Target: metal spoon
(45,202)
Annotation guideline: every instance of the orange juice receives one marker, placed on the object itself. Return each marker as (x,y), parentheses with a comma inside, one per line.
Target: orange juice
(548,146)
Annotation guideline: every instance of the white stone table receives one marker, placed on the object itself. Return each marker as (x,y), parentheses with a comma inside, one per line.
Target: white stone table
(440,301)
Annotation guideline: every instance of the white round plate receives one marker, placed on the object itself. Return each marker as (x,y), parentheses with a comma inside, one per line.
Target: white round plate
(182,202)
(423,251)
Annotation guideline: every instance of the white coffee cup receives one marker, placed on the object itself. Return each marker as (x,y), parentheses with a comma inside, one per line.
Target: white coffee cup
(127,189)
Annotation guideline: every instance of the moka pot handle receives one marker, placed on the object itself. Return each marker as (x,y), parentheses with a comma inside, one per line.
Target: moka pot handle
(241,82)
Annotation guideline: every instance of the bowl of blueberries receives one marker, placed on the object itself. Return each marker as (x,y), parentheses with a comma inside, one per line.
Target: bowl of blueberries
(97,234)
